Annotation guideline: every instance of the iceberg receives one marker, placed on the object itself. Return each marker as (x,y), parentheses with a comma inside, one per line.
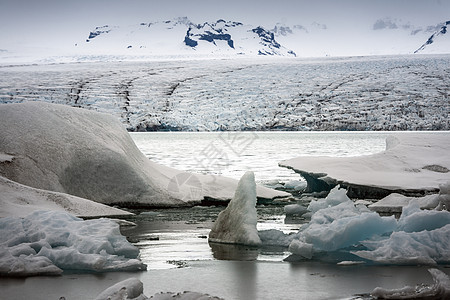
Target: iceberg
(90,155)
(413,164)
(48,242)
(237,223)
(439,290)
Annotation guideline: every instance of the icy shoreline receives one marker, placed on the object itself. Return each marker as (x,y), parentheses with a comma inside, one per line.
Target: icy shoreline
(413,164)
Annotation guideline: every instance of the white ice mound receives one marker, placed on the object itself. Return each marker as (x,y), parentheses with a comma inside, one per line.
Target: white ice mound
(131,288)
(237,223)
(439,290)
(19,200)
(422,237)
(338,224)
(47,242)
(90,155)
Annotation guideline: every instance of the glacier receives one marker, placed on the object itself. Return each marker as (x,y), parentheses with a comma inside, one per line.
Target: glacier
(350,93)
(48,242)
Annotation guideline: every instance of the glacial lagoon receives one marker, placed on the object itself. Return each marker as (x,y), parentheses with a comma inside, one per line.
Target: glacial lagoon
(173,242)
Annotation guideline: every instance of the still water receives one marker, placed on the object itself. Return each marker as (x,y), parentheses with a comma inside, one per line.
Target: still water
(232,153)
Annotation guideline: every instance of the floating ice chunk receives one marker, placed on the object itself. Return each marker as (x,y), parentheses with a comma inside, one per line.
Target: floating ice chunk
(414,219)
(184,296)
(439,290)
(237,223)
(273,237)
(335,197)
(26,264)
(350,263)
(294,209)
(337,224)
(131,288)
(425,247)
(444,197)
(346,231)
(393,203)
(45,242)
(301,248)
(295,185)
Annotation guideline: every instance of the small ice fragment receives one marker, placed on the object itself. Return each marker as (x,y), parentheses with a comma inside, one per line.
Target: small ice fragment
(294,209)
(439,290)
(301,248)
(131,288)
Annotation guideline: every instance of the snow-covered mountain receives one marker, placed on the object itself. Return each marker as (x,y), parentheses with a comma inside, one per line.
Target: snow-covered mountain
(181,36)
(437,40)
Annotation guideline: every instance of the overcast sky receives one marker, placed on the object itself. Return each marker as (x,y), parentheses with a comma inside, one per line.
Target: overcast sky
(69,21)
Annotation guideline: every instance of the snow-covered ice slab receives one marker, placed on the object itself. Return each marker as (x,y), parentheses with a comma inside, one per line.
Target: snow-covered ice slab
(412,164)
(90,155)
(20,200)
(394,203)
(48,242)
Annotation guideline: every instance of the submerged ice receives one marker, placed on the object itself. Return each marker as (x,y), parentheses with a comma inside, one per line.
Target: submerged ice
(48,242)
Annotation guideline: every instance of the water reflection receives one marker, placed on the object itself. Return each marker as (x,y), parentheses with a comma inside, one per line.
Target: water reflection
(234,252)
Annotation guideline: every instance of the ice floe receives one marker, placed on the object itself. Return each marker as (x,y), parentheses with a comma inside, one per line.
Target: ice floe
(413,164)
(48,242)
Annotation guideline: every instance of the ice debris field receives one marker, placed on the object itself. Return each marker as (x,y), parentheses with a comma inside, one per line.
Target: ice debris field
(340,230)
(356,93)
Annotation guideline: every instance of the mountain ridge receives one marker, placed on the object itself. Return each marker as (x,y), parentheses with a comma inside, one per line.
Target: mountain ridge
(221,37)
